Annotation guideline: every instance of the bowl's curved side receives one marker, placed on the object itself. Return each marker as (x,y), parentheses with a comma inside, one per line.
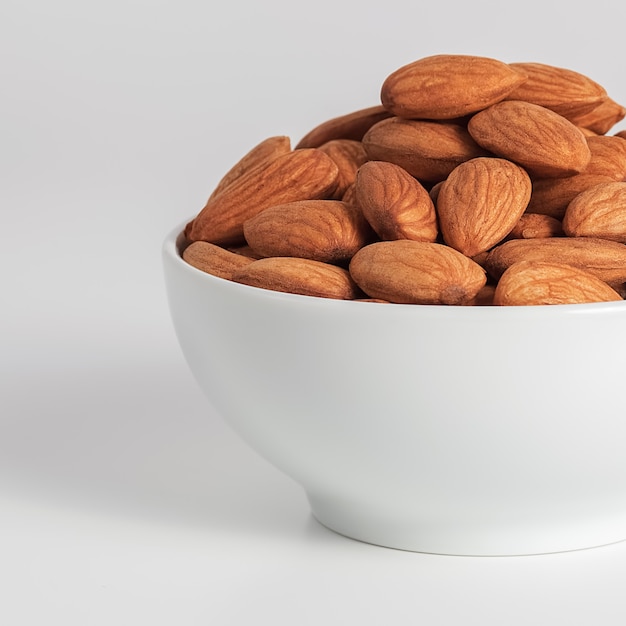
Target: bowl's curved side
(438,429)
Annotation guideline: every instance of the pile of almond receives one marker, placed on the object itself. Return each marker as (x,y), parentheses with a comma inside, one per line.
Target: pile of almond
(475,182)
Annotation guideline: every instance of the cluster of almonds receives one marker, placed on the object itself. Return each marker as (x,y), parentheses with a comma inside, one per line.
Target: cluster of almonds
(474,182)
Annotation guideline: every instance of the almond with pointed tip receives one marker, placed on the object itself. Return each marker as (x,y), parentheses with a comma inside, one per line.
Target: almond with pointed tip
(598,212)
(348,155)
(427,150)
(601,119)
(587,132)
(324,230)
(352,125)
(550,196)
(528,283)
(306,174)
(561,90)
(446,86)
(299,276)
(395,204)
(214,260)
(416,272)
(480,203)
(540,140)
(608,156)
(264,152)
(602,258)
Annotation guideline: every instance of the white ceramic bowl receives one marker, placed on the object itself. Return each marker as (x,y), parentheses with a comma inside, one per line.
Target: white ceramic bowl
(444,429)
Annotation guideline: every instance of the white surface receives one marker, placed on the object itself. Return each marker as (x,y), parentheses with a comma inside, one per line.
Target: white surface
(123,498)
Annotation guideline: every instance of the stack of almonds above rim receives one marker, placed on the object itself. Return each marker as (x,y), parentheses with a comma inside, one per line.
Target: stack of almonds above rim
(474,182)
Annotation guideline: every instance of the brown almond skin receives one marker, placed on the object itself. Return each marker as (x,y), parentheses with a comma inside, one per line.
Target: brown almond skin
(550,196)
(608,156)
(416,272)
(214,260)
(621,289)
(561,90)
(427,150)
(484,297)
(586,131)
(244,250)
(447,86)
(536,226)
(598,212)
(350,126)
(601,119)
(540,140)
(480,203)
(395,204)
(434,192)
(348,155)
(529,283)
(299,276)
(349,195)
(258,156)
(480,258)
(323,230)
(602,258)
(306,174)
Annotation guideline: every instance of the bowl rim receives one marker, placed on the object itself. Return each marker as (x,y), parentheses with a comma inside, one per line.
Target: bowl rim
(170,250)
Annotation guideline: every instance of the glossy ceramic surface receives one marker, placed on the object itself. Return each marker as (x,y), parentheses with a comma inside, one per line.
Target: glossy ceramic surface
(452,430)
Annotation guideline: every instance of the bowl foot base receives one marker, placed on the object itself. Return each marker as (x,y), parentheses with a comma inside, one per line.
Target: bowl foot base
(421,534)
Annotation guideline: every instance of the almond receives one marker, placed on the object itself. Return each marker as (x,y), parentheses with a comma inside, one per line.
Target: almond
(434,192)
(598,212)
(602,258)
(416,272)
(429,151)
(395,204)
(349,195)
(608,157)
(348,155)
(601,119)
(298,175)
(538,139)
(536,226)
(299,276)
(213,259)
(350,126)
(480,202)
(447,86)
(244,250)
(484,297)
(561,90)
(539,283)
(258,156)
(551,196)
(481,258)
(323,230)
(587,132)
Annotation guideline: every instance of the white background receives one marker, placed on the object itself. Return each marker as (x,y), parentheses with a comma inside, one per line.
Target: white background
(124,499)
